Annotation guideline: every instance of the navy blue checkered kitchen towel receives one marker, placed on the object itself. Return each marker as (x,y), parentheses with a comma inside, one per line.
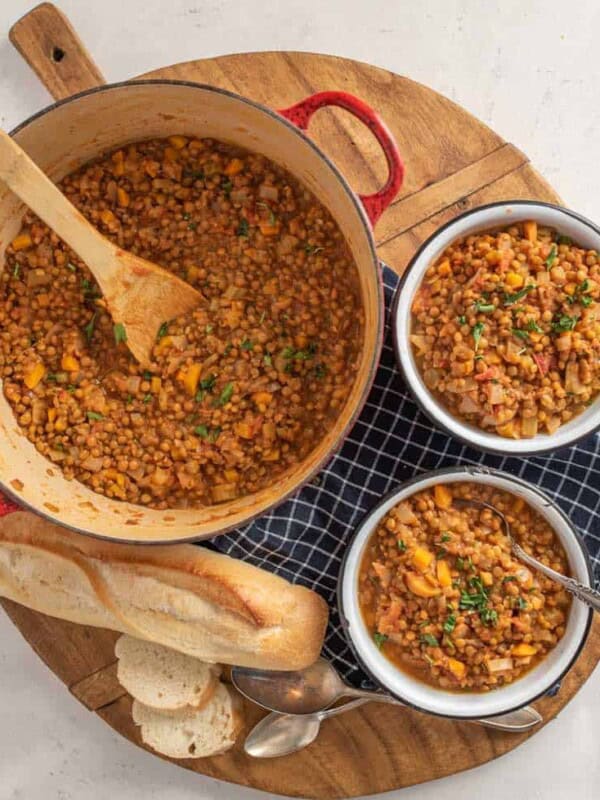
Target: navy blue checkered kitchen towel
(304,539)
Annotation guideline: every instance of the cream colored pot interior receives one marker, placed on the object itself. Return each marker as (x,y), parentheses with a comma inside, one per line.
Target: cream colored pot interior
(66,136)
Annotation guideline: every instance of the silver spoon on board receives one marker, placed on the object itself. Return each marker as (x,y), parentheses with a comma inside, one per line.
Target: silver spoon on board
(586,594)
(282,734)
(306,693)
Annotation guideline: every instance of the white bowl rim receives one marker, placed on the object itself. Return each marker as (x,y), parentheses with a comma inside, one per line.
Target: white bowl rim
(346,589)
(428,404)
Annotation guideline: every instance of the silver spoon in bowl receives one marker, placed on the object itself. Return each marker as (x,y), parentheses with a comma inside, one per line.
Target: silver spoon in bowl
(587,595)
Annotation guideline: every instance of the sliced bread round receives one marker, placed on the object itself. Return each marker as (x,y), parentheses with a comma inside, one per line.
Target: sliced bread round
(162,678)
(209,732)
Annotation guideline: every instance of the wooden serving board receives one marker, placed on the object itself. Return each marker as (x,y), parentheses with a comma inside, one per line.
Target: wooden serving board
(454,162)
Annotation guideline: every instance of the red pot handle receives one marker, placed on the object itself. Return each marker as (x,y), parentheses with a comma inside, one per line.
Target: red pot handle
(301,113)
(7,506)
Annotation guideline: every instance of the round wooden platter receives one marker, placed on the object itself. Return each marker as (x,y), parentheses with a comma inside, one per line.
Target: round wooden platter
(453,162)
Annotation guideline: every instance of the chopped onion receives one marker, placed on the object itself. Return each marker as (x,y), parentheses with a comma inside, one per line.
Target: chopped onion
(133,384)
(572,382)
(93,464)
(267,192)
(405,514)
(529,426)
(420,342)
(468,406)
(500,664)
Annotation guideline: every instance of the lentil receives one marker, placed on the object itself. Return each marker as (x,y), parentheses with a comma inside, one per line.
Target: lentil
(472,617)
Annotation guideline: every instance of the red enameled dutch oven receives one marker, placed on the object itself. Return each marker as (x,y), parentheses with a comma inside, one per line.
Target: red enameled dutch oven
(73,131)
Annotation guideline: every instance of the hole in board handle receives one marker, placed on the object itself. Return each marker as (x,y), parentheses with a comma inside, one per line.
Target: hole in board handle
(57,54)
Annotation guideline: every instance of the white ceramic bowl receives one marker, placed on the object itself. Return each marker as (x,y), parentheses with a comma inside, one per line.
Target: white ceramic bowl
(582,231)
(538,681)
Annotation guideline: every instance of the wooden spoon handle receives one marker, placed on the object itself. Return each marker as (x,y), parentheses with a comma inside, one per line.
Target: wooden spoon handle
(35,189)
(47,41)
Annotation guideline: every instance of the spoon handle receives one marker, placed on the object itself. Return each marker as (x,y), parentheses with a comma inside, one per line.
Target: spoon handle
(35,188)
(333,712)
(587,595)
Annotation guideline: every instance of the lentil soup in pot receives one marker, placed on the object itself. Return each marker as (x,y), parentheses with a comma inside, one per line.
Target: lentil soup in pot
(446,601)
(240,390)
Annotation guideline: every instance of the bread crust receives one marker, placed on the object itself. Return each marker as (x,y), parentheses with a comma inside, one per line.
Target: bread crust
(186,597)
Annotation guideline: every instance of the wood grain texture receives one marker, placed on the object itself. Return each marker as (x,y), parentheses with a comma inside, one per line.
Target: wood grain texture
(454,162)
(53,50)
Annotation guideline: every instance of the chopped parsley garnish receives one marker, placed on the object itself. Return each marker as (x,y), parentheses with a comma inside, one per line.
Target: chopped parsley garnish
(551,257)
(162,331)
(449,624)
(401,545)
(429,640)
(509,578)
(511,299)
(262,317)
(187,216)
(52,377)
(441,553)
(477,332)
(533,327)
(225,396)
(520,603)
(208,384)
(564,239)
(89,328)
(90,291)
(247,345)
(312,249)
(208,329)
(120,333)
(578,295)
(445,537)
(460,563)
(226,185)
(564,323)
(489,617)
(380,639)
(146,375)
(147,398)
(71,388)
(192,226)
(484,308)
(129,399)
(16,270)
(201,431)
(520,334)
(462,320)
(268,360)
(243,227)
(71,266)
(320,370)
(94,415)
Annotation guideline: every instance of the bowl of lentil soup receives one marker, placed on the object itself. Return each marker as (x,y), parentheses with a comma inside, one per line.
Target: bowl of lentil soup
(247,400)
(497,327)
(438,611)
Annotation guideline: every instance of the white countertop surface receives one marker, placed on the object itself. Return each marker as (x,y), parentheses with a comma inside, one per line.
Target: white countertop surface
(521,66)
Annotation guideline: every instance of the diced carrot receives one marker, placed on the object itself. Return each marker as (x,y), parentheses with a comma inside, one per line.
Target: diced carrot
(165,342)
(190,377)
(107,217)
(487,374)
(231,475)
(530,230)
(522,650)
(69,363)
(21,242)
(155,384)
(267,229)
(457,668)
(514,280)
(444,268)
(243,430)
(34,375)
(178,142)
(235,166)
(442,496)
(443,573)
(122,197)
(422,558)
(419,586)
(486,578)
(262,399)
(51,414)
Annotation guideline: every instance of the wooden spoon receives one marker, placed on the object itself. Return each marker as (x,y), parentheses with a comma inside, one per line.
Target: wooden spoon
(140,295)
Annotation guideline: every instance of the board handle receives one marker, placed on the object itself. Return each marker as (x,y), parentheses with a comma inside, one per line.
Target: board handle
(48,43)
(300,115)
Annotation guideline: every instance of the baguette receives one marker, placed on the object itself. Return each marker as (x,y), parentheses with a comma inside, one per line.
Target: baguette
(164,679)
(204,604)
(208,732)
